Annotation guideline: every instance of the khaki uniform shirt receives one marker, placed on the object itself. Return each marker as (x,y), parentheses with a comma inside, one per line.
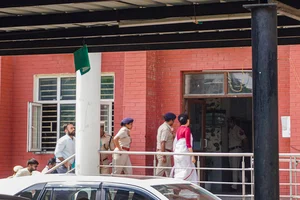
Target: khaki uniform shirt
(23,172)
(105,145)
(164,133)
(125,139)
(236,136)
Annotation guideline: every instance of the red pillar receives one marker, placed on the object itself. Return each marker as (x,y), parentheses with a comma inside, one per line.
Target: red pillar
(6,87)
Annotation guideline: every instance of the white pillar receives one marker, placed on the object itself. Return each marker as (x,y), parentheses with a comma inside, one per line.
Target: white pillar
(88,118)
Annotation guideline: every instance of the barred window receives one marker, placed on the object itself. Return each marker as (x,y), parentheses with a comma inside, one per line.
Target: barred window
(56,103)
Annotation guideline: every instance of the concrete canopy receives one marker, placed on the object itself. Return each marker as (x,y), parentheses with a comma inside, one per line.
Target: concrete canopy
(62,26)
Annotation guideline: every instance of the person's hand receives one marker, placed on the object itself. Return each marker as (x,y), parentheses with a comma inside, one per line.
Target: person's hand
(68,165)
(164,159)
(193,159)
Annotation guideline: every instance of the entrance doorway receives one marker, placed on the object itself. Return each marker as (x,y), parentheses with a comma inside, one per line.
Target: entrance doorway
(208,117)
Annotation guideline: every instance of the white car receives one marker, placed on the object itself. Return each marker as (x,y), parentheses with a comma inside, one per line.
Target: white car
(72,187)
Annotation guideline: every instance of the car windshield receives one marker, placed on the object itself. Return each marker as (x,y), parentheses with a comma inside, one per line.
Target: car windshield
(184,191)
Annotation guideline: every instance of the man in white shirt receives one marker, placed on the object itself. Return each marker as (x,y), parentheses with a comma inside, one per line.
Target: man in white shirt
(65,148)
(32,165)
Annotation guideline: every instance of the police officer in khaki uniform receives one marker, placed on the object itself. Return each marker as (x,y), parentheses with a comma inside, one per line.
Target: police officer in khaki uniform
(107,144)
(122,143)
(165,140)
(237,140)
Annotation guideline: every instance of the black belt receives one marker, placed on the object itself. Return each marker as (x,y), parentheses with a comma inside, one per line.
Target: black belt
(104,159)
(236,147)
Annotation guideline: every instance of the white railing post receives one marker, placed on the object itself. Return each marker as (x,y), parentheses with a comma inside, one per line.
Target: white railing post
(252,176)
(154,165)
(243,178)
(291,178)
(198,169)
(295,175)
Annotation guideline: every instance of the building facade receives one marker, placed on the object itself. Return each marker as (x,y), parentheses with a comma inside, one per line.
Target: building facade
(142,85)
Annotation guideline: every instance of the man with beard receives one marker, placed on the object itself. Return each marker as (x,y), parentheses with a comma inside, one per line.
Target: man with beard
(65,148)
(32,165)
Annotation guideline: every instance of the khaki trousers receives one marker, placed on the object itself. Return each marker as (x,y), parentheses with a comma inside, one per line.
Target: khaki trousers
(105,170)
(162,171)
(122,160)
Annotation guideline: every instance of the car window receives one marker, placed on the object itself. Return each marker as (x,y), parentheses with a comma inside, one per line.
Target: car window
(124,194)
(184,192)
(32,192)
(47,194)
(82,193)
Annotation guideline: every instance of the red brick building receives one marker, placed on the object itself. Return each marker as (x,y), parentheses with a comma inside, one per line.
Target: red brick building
(142,85)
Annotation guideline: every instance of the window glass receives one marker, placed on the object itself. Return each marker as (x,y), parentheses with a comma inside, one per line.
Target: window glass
(59,108)
(239,82)
(47,194)
(74,193)
(184,191)
(204,84)
(35,126)
(68,88)
(124,194)
(32,192)
(47,89)
(49,127)
(67,115)
(107,87)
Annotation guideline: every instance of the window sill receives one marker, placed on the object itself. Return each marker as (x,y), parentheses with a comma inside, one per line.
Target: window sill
(43,152)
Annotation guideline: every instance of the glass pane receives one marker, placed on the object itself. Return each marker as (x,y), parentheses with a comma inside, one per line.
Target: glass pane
(47,89)
(107,87)
(32,192)
(67,115)
(68,88)
(104,116)
(36,126)
(196,125)
(239,82)
(86,193)
(49,127)
(204,84)
(124,194)
(184,191)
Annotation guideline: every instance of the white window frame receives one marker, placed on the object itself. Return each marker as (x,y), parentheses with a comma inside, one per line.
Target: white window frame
(60,102)
(30,127)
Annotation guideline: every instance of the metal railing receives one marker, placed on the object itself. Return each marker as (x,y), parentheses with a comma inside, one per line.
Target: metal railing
(61,164)
(289,181)
(288,172)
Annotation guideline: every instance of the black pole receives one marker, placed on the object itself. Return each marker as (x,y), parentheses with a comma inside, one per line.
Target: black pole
(265,101)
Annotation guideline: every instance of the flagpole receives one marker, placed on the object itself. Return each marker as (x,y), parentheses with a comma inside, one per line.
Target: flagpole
(88,118)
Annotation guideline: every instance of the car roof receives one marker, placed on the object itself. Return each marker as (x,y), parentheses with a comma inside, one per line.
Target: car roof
(14,185)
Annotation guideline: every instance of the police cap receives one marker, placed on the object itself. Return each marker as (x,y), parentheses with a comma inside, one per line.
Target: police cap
(169,116)
(127,120)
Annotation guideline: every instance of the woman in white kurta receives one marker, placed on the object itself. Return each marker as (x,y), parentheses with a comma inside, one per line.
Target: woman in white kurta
(184,166)
(122,143)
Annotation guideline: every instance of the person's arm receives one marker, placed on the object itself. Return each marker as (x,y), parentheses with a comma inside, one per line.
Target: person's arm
(120,134)
(245,145)
(60,146)
(188,143)
(163,140)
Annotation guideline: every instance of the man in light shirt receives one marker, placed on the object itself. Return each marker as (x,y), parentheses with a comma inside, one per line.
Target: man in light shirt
(32,165)
(65,148)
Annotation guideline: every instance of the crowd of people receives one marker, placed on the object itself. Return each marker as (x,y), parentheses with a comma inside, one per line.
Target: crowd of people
(180,141)
(167,141)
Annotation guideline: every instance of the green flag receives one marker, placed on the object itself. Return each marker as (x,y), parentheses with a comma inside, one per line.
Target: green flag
(81,59)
